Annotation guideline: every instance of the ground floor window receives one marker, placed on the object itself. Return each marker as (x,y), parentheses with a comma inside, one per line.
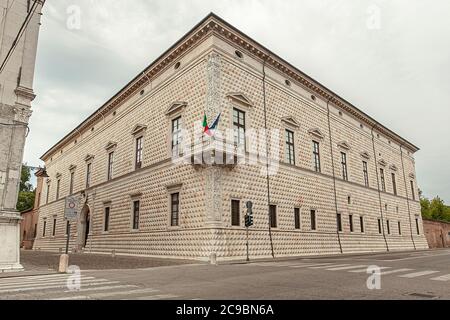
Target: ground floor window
(379,227)
(235,213)
(136,210)
(273,216)
(106,222)
(313,220)
(361,223)
(297,218)
(339,222)
(175,209)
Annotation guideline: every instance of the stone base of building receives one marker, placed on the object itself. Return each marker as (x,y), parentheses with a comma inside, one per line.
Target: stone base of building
(10,241)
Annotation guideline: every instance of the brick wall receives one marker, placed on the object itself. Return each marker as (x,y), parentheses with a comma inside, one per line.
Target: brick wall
(437,233)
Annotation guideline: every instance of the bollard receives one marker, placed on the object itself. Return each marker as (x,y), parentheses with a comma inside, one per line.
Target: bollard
(63,263)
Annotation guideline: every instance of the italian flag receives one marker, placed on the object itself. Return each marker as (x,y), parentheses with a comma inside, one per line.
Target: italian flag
(210,131)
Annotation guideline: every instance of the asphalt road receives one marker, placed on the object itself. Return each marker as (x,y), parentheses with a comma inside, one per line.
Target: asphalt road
(416,275)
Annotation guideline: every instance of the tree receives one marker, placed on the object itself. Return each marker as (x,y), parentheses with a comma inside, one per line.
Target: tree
(435,209)
(26,192)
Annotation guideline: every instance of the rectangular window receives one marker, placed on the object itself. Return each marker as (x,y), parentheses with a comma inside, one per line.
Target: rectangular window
(239,127)
(297,218)
(339,222)
(106,219)
(235,212)
(136,209)
(361,224)
(44,227)
(175,210)
(388,227)
(176,135)
(394,184)
(313,220)
(110,165)
(383,181)
(273,216)
(350,222)
(58,185)
(35,231)
(379,227)
(417,226)
(366,174)
(413,192)
(316,154)
(399,228)
(67,227)
(88,175)
(344,166)
(72,178)
(48,193)
(139,148)
(54,227)
(39,200)
(290,147)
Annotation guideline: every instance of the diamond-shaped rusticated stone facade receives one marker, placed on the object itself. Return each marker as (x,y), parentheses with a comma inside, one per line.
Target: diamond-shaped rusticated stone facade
(212,70)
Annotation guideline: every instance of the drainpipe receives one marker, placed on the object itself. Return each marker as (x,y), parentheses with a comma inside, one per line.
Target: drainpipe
(378,186)
(407,198)
(267,156)
(334,175)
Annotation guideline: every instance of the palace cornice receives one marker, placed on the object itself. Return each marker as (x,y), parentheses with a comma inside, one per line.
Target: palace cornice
(213,24)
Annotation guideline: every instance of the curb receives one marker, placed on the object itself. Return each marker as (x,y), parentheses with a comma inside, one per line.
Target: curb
(20,274)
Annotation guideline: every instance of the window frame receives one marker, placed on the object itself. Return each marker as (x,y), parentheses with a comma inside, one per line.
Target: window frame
(71,182)
(400,228)
(110,170)
(176,133)
(382,180)
(235,221)
(380,226)
(339,222)
(351,223)
(297,219)
(394,183)
(135,214)
(138,152)
(313,219)
(238,127)
(361,224)
(413,190)
(175,214)
(344,166)
(290,147)
(273,216)
(388,226)
(316,157)
(58,188)
(106,218)
(366,174)
(88,174)
(47,197)
(44,228)
(54,227)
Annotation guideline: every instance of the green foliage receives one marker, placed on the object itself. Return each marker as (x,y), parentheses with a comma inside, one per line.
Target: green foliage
(434,209)
(26,193)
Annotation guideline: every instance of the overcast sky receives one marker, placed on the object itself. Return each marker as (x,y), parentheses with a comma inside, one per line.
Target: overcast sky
(389,58)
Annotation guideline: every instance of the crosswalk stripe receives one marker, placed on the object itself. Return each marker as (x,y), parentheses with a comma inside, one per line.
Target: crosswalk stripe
(310,265)
(418,274)
(56,275)
(329,266)
(156,297)
(346,268)
(54,282)
(108,294)
(9,280)
(442,278)
(43,281)
(55,287)
(365,270)
(385,273)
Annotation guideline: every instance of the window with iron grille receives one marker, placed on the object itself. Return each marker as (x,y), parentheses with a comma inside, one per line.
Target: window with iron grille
(379,226)
(388,227)
(297,218)
(350,221)
(239,127)
(235,213)
(361,224)
(313,220)
(136,209)
(344,166)
(44,227)
(175,209)
(417,226)
(110,165)
(316,154)
(106,222)
(54,227)
(290,147)
(366,174)
(273,216)
(399,228)
(339,222)
(139,148)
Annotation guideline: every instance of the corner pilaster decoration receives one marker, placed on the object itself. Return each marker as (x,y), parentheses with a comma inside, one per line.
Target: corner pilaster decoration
(139,128)
(315,132)
(176,107)
(291,121)
(382,163)
(393,167)
(22,114)
(344,145)
(365,155)
(213,174)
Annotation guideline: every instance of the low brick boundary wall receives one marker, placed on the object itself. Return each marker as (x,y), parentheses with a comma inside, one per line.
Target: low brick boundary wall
(437,233)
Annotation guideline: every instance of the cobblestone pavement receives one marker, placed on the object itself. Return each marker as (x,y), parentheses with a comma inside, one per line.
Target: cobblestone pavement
(41,261)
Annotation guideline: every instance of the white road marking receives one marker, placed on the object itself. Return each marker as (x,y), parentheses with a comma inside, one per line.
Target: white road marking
(418,274)
(365,270)
(384,273)
(41,281)
(310,265)
(156,297)
(46,287)
(105,288)
(346,268)
(329,266)
(108,294)
(442,278)
(47,283)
